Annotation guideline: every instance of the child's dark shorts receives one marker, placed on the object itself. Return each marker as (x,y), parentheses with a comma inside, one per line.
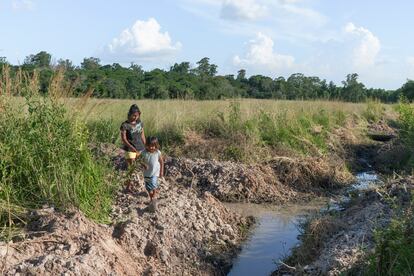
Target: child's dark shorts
(151,183)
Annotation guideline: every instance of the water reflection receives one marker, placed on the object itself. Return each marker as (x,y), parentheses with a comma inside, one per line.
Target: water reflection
(275,233)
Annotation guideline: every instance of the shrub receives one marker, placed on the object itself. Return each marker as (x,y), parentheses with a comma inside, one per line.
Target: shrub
(45,159)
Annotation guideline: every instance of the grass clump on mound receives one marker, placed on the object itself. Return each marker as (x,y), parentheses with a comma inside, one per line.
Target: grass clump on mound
(394,249)
(45,159)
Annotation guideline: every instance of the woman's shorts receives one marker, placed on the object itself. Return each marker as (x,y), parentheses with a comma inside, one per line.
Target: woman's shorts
(151,183)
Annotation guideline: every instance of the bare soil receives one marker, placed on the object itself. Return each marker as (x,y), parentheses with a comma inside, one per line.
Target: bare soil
(187,234)
(347,237)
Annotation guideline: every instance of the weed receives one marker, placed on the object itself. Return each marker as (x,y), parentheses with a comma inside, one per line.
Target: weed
(394,250)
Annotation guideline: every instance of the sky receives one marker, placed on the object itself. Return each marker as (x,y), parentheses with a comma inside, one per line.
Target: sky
(324,38)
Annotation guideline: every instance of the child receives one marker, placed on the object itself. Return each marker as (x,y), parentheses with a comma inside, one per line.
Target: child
(133,137)
(154,166)
(132,134)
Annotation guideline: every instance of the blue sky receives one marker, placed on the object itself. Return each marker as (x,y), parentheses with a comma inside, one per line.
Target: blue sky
(322,38)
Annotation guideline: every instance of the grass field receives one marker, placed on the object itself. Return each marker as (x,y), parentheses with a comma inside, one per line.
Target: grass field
(161,112)
(301,126)
(44,140)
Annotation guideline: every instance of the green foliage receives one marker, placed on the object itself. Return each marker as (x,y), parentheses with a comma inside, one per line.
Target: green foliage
(103,131)
(305,133)
(374,111)
(234,152)
(407,90)
(394,250)
(169,136)
(406,120)
(202,82)
(46,160)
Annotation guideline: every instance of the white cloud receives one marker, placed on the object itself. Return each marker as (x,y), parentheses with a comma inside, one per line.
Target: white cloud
(243,10)
(368,46)
(262,58)
(301,13)
(22,5)
(289,1)
(143,41)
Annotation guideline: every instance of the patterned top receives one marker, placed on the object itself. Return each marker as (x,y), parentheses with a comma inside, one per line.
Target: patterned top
(133,135)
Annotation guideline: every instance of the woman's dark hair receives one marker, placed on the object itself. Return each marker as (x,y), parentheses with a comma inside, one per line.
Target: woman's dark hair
(152,140)
(133,109)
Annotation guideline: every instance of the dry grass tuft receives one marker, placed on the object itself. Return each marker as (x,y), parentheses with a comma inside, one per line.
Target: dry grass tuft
(315,232)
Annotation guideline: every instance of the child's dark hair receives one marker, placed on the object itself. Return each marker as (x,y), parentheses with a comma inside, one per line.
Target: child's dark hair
(153,140)
(133,109)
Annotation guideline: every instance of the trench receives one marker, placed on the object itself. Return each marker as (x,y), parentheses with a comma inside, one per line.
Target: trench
(277,229)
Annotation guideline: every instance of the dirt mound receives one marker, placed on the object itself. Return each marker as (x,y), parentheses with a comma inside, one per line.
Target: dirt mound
(187,235)
(344,248)
(279,180)
(58,243)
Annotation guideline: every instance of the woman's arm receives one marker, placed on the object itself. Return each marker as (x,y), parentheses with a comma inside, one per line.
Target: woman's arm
(143,137)
(126,142)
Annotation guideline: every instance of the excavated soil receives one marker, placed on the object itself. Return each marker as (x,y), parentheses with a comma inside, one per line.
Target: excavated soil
(188,234)
(277,181)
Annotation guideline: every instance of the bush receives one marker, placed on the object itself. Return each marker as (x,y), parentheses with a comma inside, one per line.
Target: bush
(46,160)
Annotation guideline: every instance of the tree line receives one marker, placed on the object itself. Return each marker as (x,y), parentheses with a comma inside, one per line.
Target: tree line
(182,81)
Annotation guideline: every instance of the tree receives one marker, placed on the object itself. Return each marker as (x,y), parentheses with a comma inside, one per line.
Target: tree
(261,87)
(137,69)
(407,90)
(353,90)
(41,59)
(65,64)
(3,61)
(182,68)
(241,75)
(91,63)
(204,68)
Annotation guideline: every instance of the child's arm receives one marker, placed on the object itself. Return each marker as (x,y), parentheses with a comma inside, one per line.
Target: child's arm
(126,142)
(161,160)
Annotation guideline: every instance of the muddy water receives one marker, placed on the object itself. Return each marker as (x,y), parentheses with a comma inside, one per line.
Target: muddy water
(276,231)
(271,239)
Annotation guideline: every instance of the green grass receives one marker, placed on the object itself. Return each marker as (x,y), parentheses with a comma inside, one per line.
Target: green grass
(45,160)
(394,250)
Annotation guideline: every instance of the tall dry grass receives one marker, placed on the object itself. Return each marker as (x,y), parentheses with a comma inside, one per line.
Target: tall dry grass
(245,126)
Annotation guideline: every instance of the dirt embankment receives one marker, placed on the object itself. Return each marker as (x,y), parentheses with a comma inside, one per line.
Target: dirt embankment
(280,180)
(189,234)
(336,242)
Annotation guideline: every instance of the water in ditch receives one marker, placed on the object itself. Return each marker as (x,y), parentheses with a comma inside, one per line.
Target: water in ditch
(276,231)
